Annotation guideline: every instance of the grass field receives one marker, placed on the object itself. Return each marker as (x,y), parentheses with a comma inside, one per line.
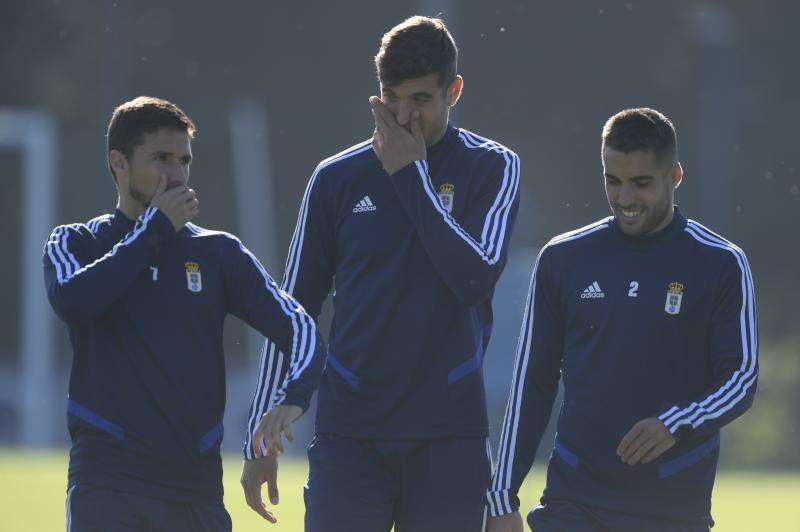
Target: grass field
(32,494)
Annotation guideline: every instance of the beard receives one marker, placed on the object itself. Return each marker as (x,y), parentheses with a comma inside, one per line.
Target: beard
(139,196)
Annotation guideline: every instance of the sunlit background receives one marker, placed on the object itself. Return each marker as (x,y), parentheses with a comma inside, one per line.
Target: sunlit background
(274,87)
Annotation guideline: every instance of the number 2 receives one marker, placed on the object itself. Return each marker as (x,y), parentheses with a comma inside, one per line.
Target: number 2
(634,288)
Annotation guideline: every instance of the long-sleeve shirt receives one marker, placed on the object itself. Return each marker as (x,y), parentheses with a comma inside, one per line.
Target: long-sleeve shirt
(657,326)
(145,306)
(415,257)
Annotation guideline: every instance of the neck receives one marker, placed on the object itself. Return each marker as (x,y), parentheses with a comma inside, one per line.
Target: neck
(436,138)
(665,222)
(131,208)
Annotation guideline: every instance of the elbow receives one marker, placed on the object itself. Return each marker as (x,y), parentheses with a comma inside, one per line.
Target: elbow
(72,310)
(474,290)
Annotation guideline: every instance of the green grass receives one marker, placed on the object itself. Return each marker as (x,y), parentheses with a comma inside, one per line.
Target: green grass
(32,495)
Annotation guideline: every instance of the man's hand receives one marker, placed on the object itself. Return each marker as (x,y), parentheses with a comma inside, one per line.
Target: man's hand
(254,474)
(505,523)
(396,145)
(180,204)
(276,421)
(646,441)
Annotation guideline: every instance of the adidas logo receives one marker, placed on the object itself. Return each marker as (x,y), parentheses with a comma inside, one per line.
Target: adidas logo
(365,205)
(593,292)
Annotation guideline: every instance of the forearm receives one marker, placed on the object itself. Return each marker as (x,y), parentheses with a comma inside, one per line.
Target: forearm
(468,263)
(82,292)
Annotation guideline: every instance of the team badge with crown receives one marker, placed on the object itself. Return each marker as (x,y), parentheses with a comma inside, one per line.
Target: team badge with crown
(194,281)
(674,297)
(446,192)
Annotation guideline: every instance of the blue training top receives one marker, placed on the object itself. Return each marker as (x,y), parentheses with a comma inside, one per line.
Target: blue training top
(657,326)
(145,307)
(414,258)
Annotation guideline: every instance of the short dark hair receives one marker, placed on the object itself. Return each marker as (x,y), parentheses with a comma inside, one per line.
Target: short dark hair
(132,120)
(414,48)
(642,129)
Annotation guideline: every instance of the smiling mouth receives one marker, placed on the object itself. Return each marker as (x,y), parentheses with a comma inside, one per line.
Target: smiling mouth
(630,214)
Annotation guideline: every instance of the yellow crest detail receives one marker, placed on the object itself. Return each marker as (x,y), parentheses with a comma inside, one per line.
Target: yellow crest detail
(192,267)
(447,188)
(676,288)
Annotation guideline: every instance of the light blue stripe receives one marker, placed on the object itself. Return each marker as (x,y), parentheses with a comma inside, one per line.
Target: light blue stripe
(211,437)
(692,457)
(346,374)
(474,362)
(95,420)
(568,456)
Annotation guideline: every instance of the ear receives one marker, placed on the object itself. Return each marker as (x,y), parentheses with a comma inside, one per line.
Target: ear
(118,163)
(677,175)
(454,91)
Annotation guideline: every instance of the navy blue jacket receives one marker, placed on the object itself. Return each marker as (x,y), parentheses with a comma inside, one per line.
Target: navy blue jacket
(145,307)
(414,258)
(656,326)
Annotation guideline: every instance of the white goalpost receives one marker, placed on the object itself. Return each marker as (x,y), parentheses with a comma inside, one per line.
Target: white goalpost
(34,133)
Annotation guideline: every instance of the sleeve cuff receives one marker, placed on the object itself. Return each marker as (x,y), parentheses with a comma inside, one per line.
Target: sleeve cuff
(502,502)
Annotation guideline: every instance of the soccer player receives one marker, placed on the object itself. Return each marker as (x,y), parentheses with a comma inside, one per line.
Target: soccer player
(650,319)
(413,225)
(145,293)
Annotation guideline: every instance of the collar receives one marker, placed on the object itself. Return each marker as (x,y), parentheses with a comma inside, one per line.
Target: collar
(675,226)
(435,151)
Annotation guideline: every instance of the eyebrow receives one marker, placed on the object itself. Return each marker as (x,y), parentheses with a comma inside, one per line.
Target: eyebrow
(162,152)
(418,94)
(635,178)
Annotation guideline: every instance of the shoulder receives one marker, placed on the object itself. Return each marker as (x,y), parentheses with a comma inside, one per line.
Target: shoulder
(99,224)
(228,242)
(579,237)
(483,147)
(196,231)
(344,162)
(562,251)
(713,246)
(76,231)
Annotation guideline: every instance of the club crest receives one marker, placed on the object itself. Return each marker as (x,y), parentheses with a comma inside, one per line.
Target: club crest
(446,192)
(194,281)
(674,297)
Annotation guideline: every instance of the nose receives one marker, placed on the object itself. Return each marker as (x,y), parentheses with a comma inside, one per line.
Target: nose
(627,196)
(177,174)
(403,113)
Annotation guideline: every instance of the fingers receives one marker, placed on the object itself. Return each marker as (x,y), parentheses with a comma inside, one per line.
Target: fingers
(645,442)
(642,450)
(377,140)
(257,504)
(641,439)
(628,439)
(657,451)
(384,118)
(252,494)
(161,187)
(272,484)
(416,127)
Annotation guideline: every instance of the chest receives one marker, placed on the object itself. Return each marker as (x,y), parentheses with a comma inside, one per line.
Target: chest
(371,222)
(183,283)
(649,292)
